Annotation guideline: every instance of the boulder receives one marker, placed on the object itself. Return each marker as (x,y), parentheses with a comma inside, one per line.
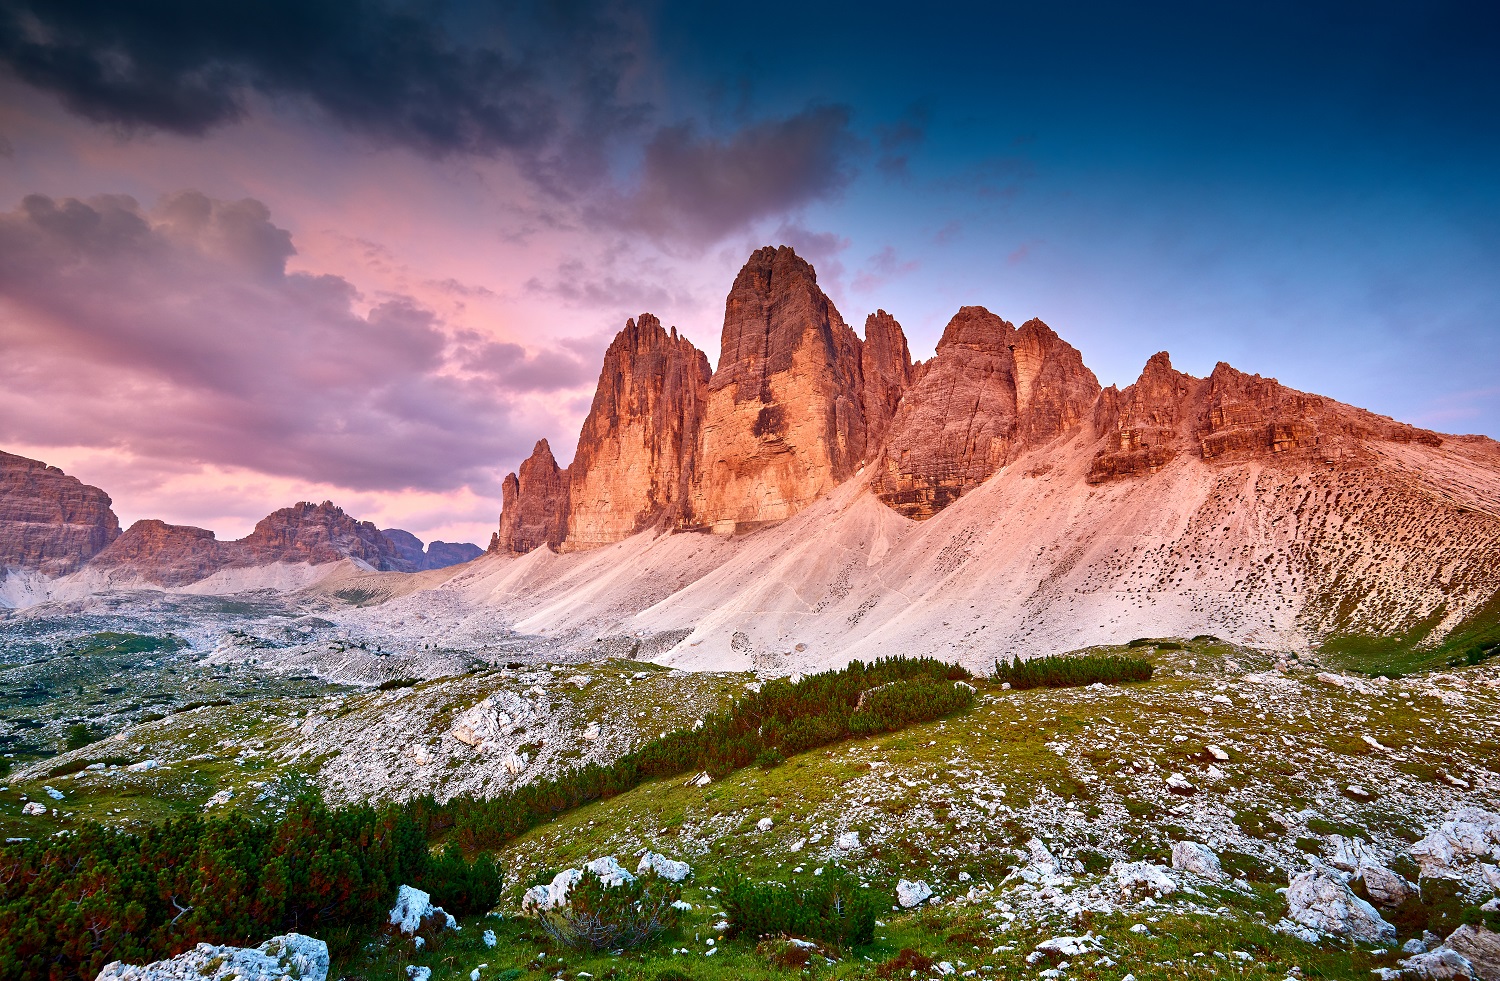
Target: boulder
(1190,856)
(1480,946)
(1442,964)
(1466,833)
(554,895)
(1385,888)
(414,911)
(1321,900)
(909,894)
(663,866)
(1351,854)
(290,957)
(1142,879)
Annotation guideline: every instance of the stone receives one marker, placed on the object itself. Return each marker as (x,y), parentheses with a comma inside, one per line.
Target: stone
(1465,833)
(848,841)
(1480,946)
(990,393)
(414,911)
(909,894)
(1441,964)
(784,421)
(49,522)
(1350,854)
(34,808)
(1191,856)
(533,505)
(1142,878)
(1179,784)
(1321,900)
(1385,888)
(663,866)
(637,451)
(290,957)
(885,363)
(554,895)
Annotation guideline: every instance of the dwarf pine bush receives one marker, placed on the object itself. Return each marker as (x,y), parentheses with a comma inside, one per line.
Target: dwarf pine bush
(1072,672)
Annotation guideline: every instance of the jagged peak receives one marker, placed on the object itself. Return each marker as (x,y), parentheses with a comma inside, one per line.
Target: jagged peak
(976,326)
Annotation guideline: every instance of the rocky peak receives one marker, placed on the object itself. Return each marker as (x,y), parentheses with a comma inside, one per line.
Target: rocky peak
(1230,416)
(165,554)
(316,533)
(638,447)
(50,522)
(436,555)
(784,421)
(534,504)
(885,362)
(990,393)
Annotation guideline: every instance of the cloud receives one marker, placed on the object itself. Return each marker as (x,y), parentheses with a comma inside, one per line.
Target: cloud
(897,140)
(881,268)
(376,68)
(176,335)
(697,189)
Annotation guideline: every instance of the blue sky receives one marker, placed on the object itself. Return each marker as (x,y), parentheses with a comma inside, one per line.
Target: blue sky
(474,202)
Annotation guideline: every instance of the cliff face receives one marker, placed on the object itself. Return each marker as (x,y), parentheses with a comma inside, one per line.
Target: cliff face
(316,533)
(50,522)
(638,447)
(534,505)
(989,393)
(1231,417)
(168,555)
(785,418)
(885,363)
(436,555)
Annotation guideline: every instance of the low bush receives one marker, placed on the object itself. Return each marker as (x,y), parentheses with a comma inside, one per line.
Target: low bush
(395,683)
(1072,672)
(605,917)
(835,909)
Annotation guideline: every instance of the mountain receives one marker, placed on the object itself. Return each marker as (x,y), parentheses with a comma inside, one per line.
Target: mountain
(437,555)
(50,522)
(315,534)
(995,499)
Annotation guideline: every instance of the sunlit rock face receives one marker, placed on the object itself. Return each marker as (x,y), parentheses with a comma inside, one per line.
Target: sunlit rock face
(638,448)
(785,417)
(1231,417)
(50,522)
(989,393)
(534,505)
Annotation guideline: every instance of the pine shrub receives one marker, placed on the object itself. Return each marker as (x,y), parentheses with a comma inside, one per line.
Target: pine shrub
(834,909)
(1072,672)
(613,917)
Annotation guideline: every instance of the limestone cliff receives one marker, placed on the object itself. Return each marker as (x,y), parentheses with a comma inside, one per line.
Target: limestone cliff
(534,505)
(50,522)
(989,393)
(785,416)
(638,447)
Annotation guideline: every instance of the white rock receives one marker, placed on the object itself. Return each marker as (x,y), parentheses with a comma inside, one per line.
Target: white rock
(53,792)
(1191,856)
(701,780)
(143,766)
(34,807)
(552,895)
(1070,946)
(610,871)
(1143,878)
(489,938)
(1179,784)
(515,763)
(1350,854)
(665,867)
(415,973)
(1320,900)
(285,958)
(580,680)
(1217,753)
(1468,832)
(1442,964)
(413,907)
(1480,946)
(910,894)
(848,841)
(591,732)
(764,824)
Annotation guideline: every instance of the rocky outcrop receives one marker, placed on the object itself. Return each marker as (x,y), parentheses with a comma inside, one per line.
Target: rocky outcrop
(990,393)
(316,533)
(1230,417)
(168,555)
(885,363)
(50,522)
(534,505)
(637,450)
(436,555)
(785,417)
(1321,900)
(291,957)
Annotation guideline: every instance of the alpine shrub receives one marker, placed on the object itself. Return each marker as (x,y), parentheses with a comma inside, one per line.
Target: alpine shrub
(1072,672)
(835,909)
(610,917)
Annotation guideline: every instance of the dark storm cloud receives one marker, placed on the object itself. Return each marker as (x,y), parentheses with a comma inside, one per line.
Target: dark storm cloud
(387,71)
(178,334)
(697,189)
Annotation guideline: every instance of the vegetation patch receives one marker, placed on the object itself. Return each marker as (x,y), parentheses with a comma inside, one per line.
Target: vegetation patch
(1062,671)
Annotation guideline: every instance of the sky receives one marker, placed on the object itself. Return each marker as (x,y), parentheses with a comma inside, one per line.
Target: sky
(259,252)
